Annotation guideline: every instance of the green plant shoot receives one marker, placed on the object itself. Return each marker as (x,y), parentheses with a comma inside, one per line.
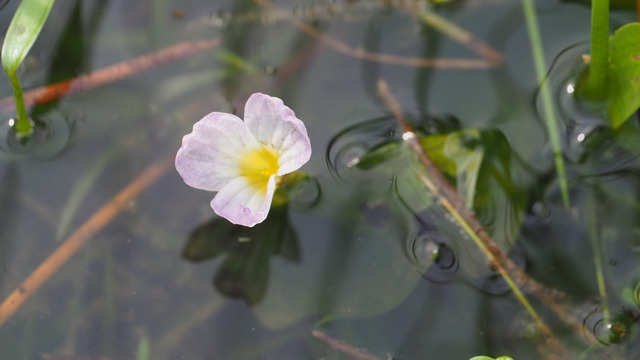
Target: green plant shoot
(596,86)
(22,33)
(614,66)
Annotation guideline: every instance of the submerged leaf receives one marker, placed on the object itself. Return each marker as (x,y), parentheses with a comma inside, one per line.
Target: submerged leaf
(624,74)
(23,31)
(244,273)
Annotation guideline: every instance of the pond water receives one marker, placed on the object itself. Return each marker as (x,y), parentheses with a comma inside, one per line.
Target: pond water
(363,252)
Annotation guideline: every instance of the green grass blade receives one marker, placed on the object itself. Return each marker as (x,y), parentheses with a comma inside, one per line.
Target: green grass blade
(23,31)
(545,93)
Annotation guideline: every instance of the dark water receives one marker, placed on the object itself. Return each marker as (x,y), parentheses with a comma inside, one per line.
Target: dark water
(362,252)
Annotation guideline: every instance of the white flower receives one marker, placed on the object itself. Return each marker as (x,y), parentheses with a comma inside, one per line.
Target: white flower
(243,160)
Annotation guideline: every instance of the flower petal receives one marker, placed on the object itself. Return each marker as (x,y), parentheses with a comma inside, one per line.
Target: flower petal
(208,158)
(276,125)
(243,204)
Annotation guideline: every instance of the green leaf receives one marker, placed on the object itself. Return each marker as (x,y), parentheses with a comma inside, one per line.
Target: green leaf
(378,155)
(245,270)
(23,31)
(624,74)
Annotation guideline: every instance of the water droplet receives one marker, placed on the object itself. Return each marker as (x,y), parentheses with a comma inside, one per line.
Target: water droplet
(570,88)
(408,135)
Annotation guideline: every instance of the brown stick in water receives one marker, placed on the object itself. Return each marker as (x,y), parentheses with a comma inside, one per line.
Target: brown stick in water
(78,239)
(110,74)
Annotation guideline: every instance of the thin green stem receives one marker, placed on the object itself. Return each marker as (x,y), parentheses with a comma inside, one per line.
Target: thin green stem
(24,127)
(547,103)
(596,87)
(594,239)
(483,247)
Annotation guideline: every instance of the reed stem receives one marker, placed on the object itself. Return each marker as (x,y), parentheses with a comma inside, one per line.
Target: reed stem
(596,87)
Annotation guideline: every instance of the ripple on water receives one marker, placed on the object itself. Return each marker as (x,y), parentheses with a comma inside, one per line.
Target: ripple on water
(608,330)
(50,136)
(434,259)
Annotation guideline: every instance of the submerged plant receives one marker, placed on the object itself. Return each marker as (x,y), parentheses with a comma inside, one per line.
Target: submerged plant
(244,160)
(22,33)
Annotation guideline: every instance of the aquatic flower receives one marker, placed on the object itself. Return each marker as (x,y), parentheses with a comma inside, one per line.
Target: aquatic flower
(244,160)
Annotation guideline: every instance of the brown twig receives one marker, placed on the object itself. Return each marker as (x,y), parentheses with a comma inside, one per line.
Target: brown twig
(345,49)
(48,93)
(449,198)
(78,239)
(358,354)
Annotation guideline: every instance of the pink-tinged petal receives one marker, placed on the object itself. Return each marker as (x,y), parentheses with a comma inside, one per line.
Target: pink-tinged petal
(208,158)
(276,125)
(243,204)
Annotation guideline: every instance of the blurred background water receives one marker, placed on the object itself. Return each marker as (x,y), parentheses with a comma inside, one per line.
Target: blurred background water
(351,254)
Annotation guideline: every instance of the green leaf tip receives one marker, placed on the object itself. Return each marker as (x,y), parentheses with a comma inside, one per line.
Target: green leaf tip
(624,74)
(23,31)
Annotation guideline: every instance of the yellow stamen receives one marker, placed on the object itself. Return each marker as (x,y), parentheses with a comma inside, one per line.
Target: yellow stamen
(257,166)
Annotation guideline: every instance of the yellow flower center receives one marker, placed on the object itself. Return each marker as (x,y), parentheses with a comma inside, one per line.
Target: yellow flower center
(257,166)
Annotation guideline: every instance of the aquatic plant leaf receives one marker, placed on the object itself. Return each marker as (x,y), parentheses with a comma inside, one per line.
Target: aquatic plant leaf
(244,273)
(484,175)
(378,155)
(624,74)
(23,31)
(455,155)
(210,240)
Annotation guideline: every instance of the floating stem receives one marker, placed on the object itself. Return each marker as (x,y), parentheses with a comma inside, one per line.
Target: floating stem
(547,103)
